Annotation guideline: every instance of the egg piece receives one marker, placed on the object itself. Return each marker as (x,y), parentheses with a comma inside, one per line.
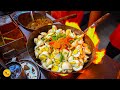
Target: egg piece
(37,51)
(57,61)
(36,48)
(80,41)
(54,28)
(36,54)
(45,48)
(63,31)
(55,68)
(40,36)
(58,31)
(74,44)
(42,57)
(78,65)
(70,53)
(85,59)
(71,58)
(68,32)
(45,53)
(87,50)
(56,51)
(60,69)
(43,33)
(66,66)
(52,55)
(49,66)
(44,65)
(40,43)
(80,49)
(48,61)
(72,35)
(76,53)
(50,34)
(65,53)
(47,37)
(50,31)
(57,56)
(35,40)
(72,62)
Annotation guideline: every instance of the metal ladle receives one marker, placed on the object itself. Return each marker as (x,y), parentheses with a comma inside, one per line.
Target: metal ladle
(31,14)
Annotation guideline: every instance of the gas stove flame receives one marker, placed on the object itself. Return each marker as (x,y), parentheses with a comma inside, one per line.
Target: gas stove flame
(93,36)
(99,55)
(63,75)
(72,24)
(95,39)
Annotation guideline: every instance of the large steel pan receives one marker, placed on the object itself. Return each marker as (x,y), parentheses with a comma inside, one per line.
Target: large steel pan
(34,34)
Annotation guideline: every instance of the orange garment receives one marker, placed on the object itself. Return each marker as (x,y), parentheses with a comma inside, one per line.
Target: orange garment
(59,14)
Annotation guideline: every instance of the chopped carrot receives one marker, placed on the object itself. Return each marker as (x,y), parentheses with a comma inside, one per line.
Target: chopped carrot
(52,42)
(61,43)
(56,45)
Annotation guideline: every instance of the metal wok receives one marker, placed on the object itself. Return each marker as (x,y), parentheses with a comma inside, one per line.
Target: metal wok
(31,44)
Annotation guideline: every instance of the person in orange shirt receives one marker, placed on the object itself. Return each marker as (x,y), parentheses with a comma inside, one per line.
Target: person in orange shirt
(93,16)
(59,14)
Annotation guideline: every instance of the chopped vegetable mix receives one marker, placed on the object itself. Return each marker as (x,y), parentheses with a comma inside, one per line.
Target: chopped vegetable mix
(61,43)
(61,50)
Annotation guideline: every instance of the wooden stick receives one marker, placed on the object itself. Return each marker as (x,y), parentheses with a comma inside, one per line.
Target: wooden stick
(98,21)
(31,14)
(65,18)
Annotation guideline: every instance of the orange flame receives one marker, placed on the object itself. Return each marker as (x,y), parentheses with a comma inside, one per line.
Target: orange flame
(72,24)
(93,36)
(63,74)
(95,39)
(99,55)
